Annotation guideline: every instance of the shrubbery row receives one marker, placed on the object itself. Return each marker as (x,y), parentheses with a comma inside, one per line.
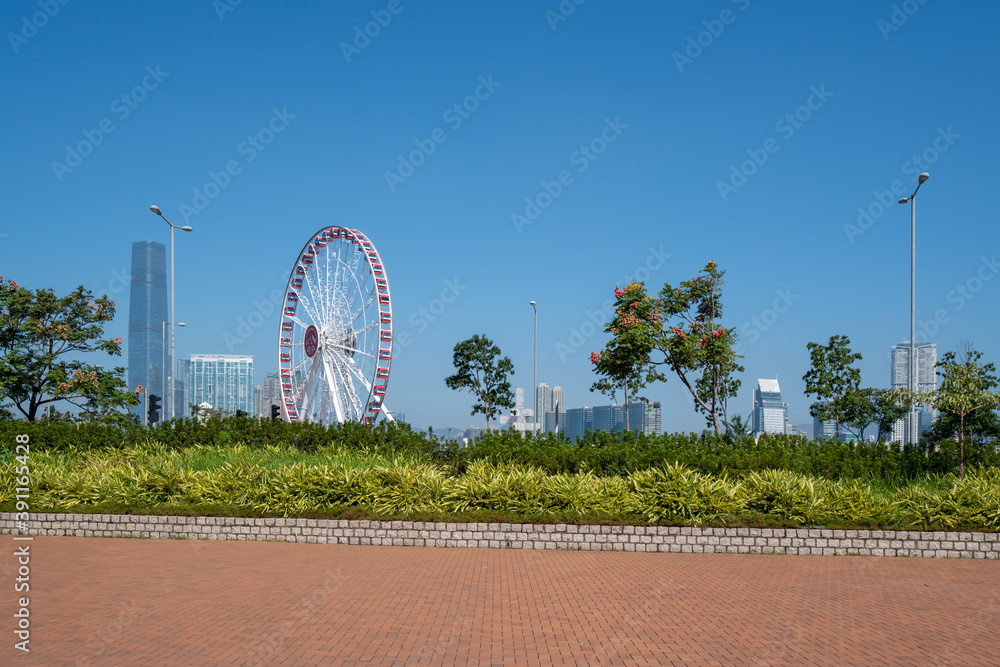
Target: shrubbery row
(600,453)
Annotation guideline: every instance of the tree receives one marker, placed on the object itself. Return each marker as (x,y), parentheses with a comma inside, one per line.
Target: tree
(481,371)
(624,364)
(865,407)
(691,340)
(39,333)
(966,388)
(832,379)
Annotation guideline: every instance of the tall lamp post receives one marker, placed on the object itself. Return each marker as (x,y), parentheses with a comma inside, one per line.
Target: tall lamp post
(534,377)
(912,199)
(163,363)
(156,209)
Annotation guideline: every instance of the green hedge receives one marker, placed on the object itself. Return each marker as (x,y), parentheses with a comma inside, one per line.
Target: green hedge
(603,454)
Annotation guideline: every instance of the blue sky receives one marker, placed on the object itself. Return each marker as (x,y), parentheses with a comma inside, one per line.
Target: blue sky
(743,132)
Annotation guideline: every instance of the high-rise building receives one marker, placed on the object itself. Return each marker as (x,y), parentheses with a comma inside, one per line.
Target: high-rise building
(272,393)
(645,418)
(224,381)
(546,400)
(147,311)
(578,422)
(770,415)
(609,418)
(554,421)
(926,354)
(521,418)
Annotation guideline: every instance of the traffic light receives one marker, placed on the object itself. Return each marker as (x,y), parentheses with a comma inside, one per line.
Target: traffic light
(154,409)
(275,412)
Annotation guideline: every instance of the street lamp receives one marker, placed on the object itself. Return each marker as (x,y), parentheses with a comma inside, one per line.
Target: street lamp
(534,378)
(912,199)
(156,209)
(163,363)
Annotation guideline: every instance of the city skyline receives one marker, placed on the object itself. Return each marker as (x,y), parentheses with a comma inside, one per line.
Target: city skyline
(617,145)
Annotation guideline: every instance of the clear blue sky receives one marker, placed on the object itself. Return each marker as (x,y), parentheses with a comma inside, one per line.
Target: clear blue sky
(199,81)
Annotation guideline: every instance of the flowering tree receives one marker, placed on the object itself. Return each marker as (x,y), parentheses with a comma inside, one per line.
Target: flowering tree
(624,363)
(692,340)
(39,332)
(679,330)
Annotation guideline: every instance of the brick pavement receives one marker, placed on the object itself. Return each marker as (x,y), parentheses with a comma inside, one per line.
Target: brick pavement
(104,601)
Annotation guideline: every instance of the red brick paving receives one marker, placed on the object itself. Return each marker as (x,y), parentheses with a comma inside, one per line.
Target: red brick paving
(104,601)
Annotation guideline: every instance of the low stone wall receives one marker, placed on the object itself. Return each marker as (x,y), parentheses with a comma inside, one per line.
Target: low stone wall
(794,541)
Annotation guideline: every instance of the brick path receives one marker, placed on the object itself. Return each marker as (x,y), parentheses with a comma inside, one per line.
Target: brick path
(103,601)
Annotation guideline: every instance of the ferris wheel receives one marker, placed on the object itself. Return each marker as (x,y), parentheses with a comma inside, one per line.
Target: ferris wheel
(335,336)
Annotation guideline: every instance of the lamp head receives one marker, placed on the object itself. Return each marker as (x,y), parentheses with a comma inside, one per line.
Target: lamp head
(532,304)
(923,177)
(904,200)
(181,324)
(155,209)
(187,228)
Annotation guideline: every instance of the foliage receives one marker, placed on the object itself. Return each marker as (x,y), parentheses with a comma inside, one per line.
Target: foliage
(624,363)
(832,378)
(481,370)
(692,341)
(39,333)
(865,407)
(967,386)
(150,477)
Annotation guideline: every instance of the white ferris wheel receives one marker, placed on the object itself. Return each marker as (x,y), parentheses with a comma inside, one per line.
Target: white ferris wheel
(335,335)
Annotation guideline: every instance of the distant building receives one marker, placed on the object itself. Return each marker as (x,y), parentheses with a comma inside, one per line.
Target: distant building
(399,416)
(521,418)
(770,415)
(225,381)
(609,418)
(272,393)
(824,430)
(147,311)
(554,421)
(645,418)
(578,422)
(926,376)
(642,417)
(182,409)
(545,401)
(260,408)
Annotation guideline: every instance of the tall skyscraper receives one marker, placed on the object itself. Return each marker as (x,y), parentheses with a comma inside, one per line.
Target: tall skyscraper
(578,420)
(926,382)
(609,418)
(147,311)
(645,418)
(770,415)
(272,392)
(224,381)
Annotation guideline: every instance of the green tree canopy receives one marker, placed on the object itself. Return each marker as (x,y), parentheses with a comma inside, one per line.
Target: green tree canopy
(481,370)
(40,333)
(832,379)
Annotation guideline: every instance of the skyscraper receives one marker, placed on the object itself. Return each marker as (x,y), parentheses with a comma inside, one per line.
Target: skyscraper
(926,382)
(645,418)
(147,311)
(224,381)
(770,415)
